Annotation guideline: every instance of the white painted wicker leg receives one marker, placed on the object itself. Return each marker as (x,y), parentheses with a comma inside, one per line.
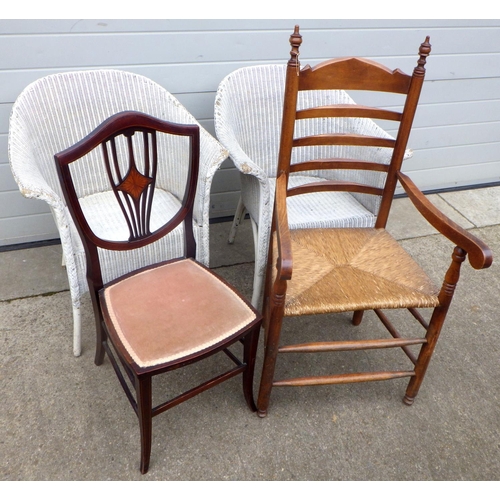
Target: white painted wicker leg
(63,258)
(77,331)
(238,216)
(258,277)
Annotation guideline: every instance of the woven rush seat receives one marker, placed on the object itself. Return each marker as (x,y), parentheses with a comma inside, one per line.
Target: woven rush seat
(348,269)
(166,313)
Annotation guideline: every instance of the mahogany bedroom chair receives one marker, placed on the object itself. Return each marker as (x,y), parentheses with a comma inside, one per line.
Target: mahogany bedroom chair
(319,271)
(170,314)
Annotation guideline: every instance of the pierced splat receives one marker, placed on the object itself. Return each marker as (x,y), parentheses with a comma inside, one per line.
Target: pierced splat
(134,192)
(130,153)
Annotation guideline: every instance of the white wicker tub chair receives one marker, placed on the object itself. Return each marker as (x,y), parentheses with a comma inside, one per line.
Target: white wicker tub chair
(56,111)
(248,113)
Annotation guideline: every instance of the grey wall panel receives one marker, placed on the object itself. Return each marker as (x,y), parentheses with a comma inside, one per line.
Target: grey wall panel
(225,180)
(201,104)
(13,205)
(38,227)
(223,204)
(4,157)
(4,117)
(459,90)
(55,26)
(457,113)
(441,91)
(75,49)
(456,130)
(205,77)
(458,135)
(7,182)
(457,156)
(457,176)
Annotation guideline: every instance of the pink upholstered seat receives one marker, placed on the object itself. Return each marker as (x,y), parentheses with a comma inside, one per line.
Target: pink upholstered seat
(173,310)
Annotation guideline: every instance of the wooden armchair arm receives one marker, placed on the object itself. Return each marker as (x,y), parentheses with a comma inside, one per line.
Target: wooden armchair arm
(480,255)
(284,262)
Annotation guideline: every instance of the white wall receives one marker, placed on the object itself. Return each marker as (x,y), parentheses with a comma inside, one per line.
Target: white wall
(456,132)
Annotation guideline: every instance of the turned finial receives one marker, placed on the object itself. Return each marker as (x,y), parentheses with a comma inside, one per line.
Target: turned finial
(295,41)
(424,51)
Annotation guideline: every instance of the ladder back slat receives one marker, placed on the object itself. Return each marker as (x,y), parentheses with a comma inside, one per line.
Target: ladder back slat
(348,111)
(345,186)
(343,140)
(338,163)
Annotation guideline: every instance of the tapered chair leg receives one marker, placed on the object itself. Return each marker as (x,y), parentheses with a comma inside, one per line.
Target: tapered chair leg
(99,346)
(101,334)
(250,343)
(435,325)
(271,353)
(357,317)
(144,412)
(421,367)
(425,355)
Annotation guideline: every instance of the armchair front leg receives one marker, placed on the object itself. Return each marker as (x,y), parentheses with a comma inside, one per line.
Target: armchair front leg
(436,323)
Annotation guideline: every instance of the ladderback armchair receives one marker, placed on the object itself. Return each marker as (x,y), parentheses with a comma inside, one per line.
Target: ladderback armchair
(58,110)
(314,271)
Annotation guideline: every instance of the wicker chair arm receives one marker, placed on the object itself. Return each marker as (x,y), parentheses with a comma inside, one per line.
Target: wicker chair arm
(26,173)
(212,154)
(225,128)
(240,159)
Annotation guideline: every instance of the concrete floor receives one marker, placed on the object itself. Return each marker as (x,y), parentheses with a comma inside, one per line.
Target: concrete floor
(63,418)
